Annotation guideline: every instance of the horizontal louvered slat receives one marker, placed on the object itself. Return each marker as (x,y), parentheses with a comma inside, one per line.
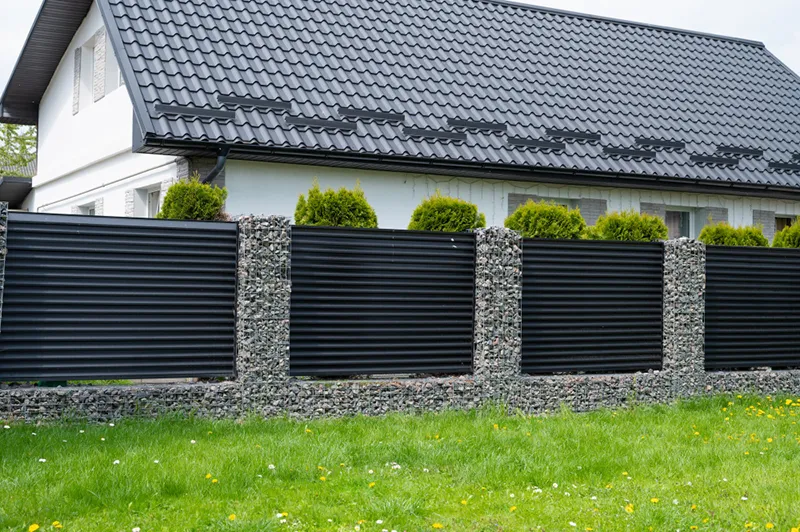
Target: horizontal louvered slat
(368,301)
(591,306)
(116,298)
(752,308)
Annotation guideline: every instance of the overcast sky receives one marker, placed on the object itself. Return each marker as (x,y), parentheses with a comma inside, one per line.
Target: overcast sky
(774,22)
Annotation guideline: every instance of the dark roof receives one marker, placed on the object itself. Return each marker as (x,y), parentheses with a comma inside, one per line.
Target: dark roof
(465,87)
(14,190)
(52,31)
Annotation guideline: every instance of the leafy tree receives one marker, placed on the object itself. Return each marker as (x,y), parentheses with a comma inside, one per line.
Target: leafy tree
(193,200)
(628,226)
(546,220)
(335,208)
(442,213)
(723,234)
(17,148)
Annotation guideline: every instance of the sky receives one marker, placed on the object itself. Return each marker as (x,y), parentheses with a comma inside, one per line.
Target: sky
(773,22)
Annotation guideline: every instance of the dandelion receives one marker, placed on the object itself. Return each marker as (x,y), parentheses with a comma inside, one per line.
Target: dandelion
(33,528)
(770,526)
(694,507)
(464,502)
(323,479)
(513,509)
(208,475)
(654,500)
(57,524)
(371,484)
(438,525)
(215,481)
(232,517)
(629,508)
(308,430)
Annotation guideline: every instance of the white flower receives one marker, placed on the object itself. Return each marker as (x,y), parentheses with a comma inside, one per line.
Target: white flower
(136,529)
(33,434)
(42,460)
(537,490)
(260,476)
(566,494)
(674,501)
(572,524)
(102,439)
(283,520)
(555,485)
(110,424)
(511,495)
(6,427)
(425,470)
(64,441)
(395,466)
(593,497)
(744,498)
(724,480)
(192,442)
(278,515)
(116,462)
(357,527)
(330,520)
(378,522)
(81,431)
(271,466)
(370,471)
(155,461)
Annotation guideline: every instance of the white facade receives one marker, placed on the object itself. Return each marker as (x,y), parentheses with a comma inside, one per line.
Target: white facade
(86,166)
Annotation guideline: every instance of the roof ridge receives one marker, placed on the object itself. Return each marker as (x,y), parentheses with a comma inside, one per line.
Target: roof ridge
(645,25)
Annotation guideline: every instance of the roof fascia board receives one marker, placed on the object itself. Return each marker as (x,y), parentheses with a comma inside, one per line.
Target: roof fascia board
(586,16)
(475,170)
(141,115)
(19,57)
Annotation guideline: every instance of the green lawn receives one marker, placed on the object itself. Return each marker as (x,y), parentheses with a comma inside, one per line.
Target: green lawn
(727,463)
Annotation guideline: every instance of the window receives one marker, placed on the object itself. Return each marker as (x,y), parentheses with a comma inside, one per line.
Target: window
(782,222)
(679,223)
(153,203)
(90,209)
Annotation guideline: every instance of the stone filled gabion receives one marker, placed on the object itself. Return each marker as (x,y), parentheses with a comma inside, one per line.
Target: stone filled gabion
(684,314)
(263,385)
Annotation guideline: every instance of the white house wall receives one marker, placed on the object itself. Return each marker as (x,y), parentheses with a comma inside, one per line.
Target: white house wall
(268,188)
(81,155)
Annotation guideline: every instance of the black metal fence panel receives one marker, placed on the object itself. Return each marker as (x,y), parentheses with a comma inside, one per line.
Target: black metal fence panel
(591,306)
(374,301)
(752,308)
(115,298)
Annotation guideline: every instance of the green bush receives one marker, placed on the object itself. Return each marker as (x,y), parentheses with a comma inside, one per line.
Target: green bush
(788,237)
(193,200)
(442,213)
(628,226)
(342,208)
(546,220)
(723,234)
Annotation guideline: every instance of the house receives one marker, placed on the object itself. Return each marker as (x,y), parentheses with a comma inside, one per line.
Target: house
(487,100)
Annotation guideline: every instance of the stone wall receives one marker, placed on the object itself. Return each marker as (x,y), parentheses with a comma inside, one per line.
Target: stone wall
(263,385)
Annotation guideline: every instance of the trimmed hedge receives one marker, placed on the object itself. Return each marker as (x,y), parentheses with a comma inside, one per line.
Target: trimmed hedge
(546,220)
(628,226)
(193,200)
(788,237)
(335,208)
(443,213)
(723,234)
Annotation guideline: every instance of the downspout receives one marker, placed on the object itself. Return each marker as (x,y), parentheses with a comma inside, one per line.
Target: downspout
(222,158)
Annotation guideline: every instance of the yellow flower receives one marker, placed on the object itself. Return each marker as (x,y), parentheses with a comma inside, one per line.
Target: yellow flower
(308,431)
(232,517)
(215,481)
(33,528)
(464,502)
(624,473)
(208,475)
(693,527)
(438,525)
(629,508)
(694,507)
(794,528)
(496,426)
(285,514)
(371,484)
(769,440)
(323,479)
(770,526)
(57,524)
(320,468)
(654,500)
(513,509)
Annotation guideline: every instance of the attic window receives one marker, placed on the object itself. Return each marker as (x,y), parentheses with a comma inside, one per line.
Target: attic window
(96,72)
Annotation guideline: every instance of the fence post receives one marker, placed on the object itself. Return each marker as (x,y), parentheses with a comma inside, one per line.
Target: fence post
(684,315)
(262,312)
(3,251)
(498,310)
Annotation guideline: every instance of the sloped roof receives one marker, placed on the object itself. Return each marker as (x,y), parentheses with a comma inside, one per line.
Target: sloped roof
(473,83)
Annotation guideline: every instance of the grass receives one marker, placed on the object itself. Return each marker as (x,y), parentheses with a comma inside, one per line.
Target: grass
(725,463)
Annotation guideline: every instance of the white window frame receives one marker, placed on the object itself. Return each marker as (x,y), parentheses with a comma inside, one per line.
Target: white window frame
(693,232)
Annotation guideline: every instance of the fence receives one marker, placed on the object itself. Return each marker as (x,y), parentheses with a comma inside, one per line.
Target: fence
(113,298)
(480,316)
(381,302)
(591,306)
(752,308)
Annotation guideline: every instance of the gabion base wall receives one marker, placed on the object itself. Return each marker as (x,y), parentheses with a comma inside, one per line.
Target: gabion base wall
(263,386)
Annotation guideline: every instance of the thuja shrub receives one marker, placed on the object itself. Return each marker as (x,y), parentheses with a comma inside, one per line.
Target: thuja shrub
(546,220)
(629,226)
(193,200)
(335,208)
(723,234)
(442,213)
(788,237)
